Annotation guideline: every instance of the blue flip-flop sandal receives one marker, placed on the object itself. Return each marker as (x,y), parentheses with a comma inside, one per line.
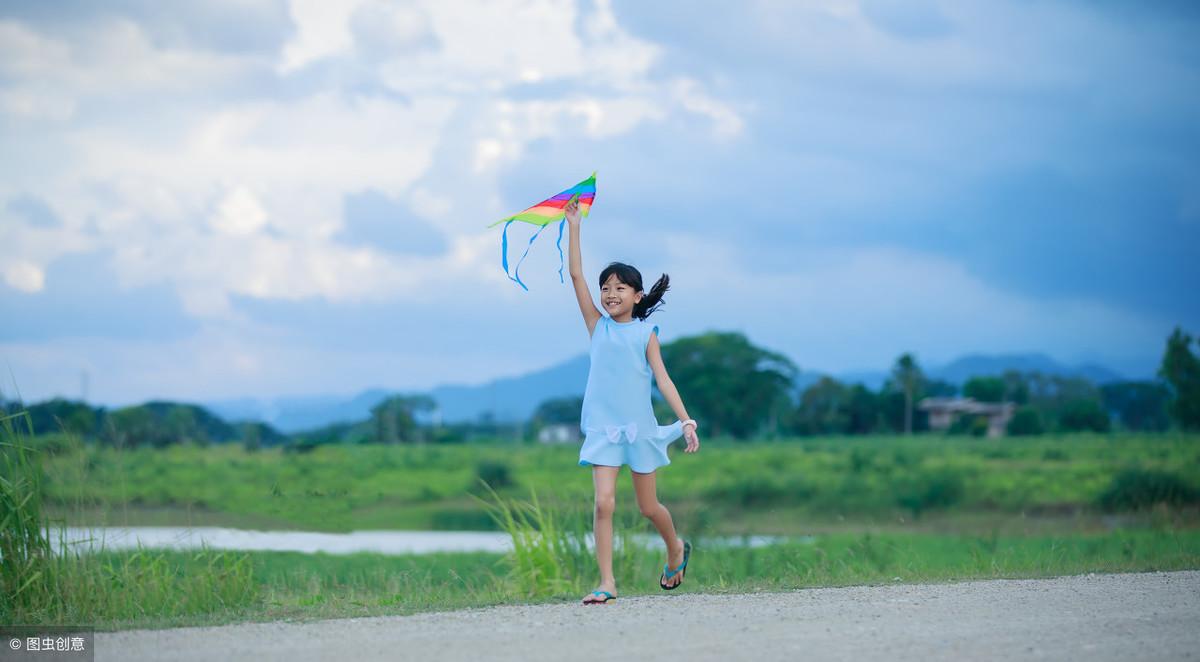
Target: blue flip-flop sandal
(607,598)
(669,573)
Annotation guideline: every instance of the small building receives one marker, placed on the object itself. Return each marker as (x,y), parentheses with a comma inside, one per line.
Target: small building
(559,433)
(944,411)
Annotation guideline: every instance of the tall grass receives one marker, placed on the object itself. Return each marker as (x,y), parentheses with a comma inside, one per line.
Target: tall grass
(551,554)
(44,581)
(27,577)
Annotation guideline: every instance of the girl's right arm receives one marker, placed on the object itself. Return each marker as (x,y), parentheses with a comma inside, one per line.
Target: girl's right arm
(591,314)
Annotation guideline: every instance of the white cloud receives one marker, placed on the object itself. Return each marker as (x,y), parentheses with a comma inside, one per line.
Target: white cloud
(838,310)
(860,307)
(322,30)
(25,53)
(24,276)
(224,175)
(244,197)
(231,359)
(29,249)
(240,213)
(726,122)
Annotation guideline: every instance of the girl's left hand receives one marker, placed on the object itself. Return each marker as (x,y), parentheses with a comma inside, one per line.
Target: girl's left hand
(693,442)
(572,211)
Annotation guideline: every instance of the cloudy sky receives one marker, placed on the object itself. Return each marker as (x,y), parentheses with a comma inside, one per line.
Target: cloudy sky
(242,198)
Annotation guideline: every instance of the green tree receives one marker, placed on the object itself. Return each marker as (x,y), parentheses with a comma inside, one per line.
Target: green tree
(908,379)
(161,424)
(394,419)
(1083,414)
(135,426)
(1181,370)
(1053,396)
(823,409)
(251,437)
(61,415)
(1140,406)
(985,389)
(729,385)
(559,410)
(862,415)
(1025,422)
(182,425)
(1016,387)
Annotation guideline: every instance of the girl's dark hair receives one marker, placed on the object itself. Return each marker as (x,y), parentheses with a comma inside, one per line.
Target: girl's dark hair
(632,277)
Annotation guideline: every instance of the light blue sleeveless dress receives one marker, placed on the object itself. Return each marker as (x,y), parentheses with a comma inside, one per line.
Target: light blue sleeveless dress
(618,420)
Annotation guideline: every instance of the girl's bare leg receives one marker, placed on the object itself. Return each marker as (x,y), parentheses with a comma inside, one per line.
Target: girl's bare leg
(645,485)
(605,480)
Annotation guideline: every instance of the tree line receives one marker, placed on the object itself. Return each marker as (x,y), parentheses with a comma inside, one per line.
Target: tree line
(743,391)
(733,387)
(152,424)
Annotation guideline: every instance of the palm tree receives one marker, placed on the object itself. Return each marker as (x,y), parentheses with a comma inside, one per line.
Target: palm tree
(906,374)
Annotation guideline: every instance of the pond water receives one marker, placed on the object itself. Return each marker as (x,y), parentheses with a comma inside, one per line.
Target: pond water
(311,542)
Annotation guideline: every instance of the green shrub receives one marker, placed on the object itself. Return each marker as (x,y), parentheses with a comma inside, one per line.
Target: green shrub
(1055,455)
(752,490)
(1025,422)
(495,473)
(967,424)
(1083,415)
(1134,489)
(929,491)
(859,460)
(461,519)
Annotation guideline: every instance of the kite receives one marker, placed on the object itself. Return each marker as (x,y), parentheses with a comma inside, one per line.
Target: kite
(542,214)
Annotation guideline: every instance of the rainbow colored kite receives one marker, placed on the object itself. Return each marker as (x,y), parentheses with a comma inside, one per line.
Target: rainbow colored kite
(542,214)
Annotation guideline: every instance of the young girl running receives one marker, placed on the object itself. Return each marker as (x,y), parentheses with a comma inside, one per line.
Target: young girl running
(618,420)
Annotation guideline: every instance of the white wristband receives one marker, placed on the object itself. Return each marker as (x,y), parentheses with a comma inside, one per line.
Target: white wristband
(692,421)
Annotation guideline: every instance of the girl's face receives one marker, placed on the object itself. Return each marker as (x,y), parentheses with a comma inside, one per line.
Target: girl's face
(618,298)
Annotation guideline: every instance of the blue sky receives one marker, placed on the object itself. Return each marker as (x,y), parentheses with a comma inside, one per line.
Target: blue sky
(238,198)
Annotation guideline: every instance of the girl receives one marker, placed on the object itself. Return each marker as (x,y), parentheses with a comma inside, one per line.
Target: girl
(618,421)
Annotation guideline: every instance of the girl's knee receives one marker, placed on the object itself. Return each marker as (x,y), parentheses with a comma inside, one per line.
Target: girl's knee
(606,505)
(649,510)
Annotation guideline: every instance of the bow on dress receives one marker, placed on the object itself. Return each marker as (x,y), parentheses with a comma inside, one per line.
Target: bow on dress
(614,432)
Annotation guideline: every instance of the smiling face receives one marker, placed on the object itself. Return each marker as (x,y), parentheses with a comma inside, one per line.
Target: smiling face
(618,298)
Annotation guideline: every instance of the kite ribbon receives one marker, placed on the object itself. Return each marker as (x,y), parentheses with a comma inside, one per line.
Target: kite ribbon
(560,254)
(516,274)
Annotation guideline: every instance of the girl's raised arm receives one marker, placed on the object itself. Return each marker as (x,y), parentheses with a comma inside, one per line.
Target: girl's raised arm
(591,314)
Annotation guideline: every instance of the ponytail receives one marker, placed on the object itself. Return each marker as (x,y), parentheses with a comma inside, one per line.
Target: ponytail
(653,299)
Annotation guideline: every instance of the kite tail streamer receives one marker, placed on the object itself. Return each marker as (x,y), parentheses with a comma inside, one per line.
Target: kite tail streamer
(517,270)
(504,255)
(560,253)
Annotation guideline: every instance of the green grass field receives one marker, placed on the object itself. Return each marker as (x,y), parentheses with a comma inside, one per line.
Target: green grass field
(876,510)
(171,588)
(785,487)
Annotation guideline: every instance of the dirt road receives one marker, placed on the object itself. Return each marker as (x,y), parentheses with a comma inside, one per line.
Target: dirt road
(1092,617)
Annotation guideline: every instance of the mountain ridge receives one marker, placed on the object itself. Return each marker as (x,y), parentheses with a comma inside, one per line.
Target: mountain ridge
(514,398)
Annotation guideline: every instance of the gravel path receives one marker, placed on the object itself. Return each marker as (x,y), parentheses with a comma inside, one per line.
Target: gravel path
(1091,617)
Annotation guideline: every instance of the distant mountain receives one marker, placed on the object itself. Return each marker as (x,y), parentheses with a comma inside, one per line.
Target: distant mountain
(515,398)
(872,379)
(292,414)
(508,399)
(960,370)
